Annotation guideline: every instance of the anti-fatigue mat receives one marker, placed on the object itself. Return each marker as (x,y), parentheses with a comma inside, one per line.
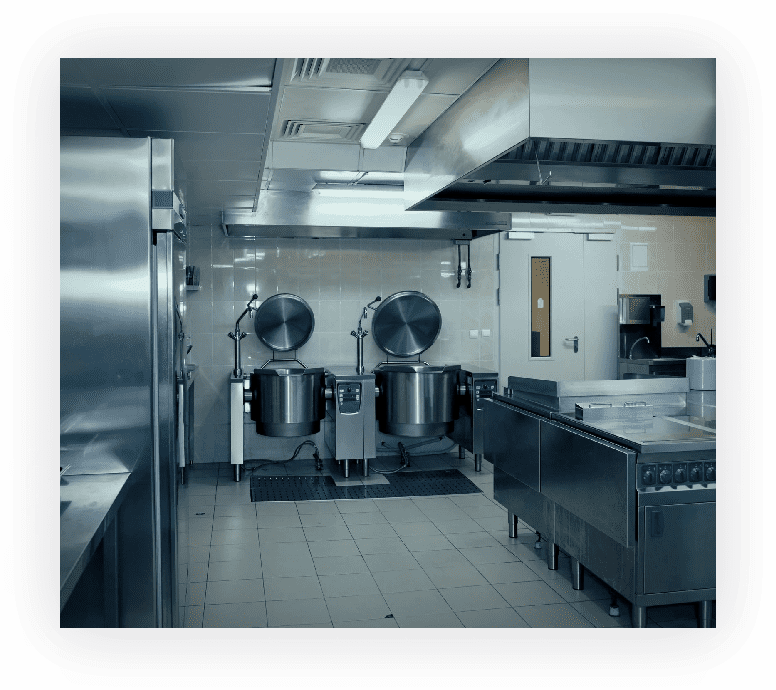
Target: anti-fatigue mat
(323,488)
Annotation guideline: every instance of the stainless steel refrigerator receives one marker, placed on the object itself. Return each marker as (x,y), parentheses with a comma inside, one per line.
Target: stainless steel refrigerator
(122,296)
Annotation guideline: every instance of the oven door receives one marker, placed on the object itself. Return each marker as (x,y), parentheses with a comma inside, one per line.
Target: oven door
(680,547)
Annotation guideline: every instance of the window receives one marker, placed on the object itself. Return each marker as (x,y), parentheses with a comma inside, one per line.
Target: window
(540,306)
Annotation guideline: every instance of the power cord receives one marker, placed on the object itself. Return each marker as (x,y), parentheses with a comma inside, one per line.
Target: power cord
(316,457)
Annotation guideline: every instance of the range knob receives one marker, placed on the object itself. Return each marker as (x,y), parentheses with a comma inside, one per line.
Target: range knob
(665,476)
(696,473)
(680,476)
(711,473)
(648,476)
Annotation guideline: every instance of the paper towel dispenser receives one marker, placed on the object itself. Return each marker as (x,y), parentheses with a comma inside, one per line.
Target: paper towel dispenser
(710,288)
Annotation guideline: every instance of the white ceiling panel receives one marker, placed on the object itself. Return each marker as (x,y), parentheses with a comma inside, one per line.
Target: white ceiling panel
(454,75)
(425,110)
(222,170)
(79,108)
(310,156)
(213,72)
(198,146)
(332,105)
(190,111)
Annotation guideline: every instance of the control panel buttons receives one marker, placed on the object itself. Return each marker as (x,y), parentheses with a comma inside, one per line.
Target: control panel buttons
(648,475)
(680,474)
(710,471)
(665,474)
(695,473)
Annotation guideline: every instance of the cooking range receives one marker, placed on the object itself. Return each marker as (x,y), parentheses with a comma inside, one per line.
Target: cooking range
(628,493)
(404,396)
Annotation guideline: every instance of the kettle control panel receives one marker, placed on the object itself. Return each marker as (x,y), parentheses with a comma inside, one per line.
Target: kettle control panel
(672,475)
(349,397)
(484,389)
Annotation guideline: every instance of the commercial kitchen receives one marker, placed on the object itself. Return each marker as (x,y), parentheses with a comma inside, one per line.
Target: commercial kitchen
(392,342)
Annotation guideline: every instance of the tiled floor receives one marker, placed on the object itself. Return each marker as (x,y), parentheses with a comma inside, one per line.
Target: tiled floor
(442,561)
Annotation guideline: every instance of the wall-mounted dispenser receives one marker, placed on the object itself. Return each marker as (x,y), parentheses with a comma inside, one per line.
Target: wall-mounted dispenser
(683,312)
(710,288)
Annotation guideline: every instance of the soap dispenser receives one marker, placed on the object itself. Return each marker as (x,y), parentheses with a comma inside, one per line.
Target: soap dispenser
(683,312)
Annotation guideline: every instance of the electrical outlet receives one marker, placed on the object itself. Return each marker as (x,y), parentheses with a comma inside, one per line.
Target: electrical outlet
(486,332)
(474,334)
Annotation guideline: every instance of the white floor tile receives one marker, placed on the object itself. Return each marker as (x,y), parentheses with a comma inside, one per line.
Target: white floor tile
(393,581)
(372,517)
(386,562)
(417,603)
(250,615)
(338,532)
(286,588)
(348,585)
(326,549)
(459,576)
(234,570)
(279,535)
(476,598)
(234,591)
(357,608)
(340,565)
(534,593)
(383,545)
(553,616)
(372,531)
(377,623)
(298,612)
(492,618)
(502,573)
(322,520)
(436,620)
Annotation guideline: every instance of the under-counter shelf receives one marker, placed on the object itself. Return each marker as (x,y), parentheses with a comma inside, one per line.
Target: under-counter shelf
(192,288)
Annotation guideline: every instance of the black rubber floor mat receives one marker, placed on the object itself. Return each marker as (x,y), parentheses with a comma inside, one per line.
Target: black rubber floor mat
(323,488)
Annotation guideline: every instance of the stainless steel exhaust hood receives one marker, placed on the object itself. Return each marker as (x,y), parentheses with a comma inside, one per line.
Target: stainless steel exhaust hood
(303,214)
(574,136)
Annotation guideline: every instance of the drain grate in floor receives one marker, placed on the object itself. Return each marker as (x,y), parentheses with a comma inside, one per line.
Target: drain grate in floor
(323,488)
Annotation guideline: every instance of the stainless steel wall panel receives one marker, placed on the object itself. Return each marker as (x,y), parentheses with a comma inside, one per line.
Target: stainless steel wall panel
(612,562)
(512,442)
(590,478)
(105,284)
(532,507)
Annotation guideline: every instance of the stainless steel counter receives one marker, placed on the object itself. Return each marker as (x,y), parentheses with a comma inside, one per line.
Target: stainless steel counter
(87,505)
(681,433)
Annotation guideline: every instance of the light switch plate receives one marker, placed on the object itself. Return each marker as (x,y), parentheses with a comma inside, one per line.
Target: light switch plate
(486,332)
(474,334)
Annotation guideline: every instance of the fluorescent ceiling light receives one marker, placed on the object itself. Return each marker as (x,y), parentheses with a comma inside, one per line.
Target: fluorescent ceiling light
(403,94)
(363,190)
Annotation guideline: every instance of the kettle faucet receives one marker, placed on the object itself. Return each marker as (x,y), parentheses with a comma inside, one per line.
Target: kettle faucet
(630,355)
(711,350)
(360,334)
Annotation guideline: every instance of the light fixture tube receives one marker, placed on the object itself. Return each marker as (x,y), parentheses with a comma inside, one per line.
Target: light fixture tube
(403,94)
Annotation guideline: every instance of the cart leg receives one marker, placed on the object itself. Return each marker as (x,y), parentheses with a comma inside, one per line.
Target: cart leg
(461,453)
(577,574)
(639,616)
(552,556)
(478,462)
(237,473)
(366,467)
(512,526)
(346,467)
(538,542)
(704,614)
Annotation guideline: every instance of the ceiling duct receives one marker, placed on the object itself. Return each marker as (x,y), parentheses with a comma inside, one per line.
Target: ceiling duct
(571,136)
(303,214)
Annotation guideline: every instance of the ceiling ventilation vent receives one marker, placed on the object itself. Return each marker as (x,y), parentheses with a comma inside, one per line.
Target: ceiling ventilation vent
(311,130)
(348,72)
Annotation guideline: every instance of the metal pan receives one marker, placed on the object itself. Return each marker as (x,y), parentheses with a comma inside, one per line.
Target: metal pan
(406,323)
(284,322)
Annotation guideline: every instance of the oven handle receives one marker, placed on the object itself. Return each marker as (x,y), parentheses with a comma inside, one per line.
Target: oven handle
(657,525)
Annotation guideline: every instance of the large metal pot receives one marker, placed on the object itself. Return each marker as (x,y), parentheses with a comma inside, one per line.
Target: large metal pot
(416,399)
(288,402)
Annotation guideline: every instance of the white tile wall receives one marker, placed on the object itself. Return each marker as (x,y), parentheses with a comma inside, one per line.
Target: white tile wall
(337,277)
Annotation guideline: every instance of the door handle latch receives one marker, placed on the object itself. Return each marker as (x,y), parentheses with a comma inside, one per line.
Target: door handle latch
(575,339)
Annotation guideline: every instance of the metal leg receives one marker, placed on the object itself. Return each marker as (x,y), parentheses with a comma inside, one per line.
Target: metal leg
(183,474)
(614,606)
(111,574)
(577,574)
(237,472)
(639,616)
(478,462)
(538,542)
(552,556)
(704,614)
(366,467)
(461,453)
(346,467)
(512,526)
